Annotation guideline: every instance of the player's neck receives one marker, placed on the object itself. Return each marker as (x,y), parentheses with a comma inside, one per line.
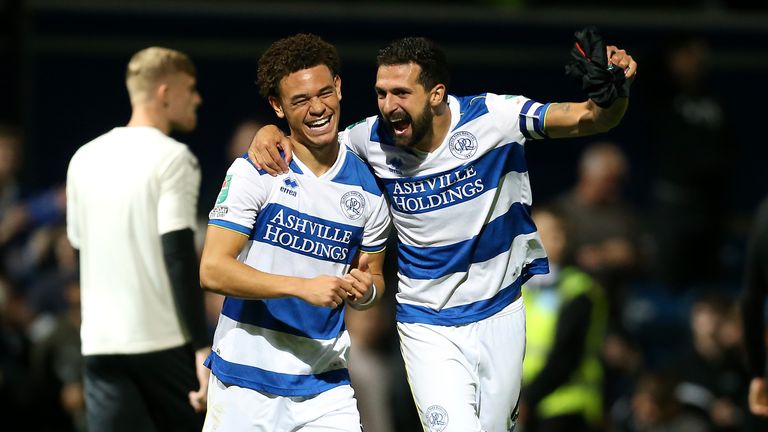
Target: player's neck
(319,159)
(147,116)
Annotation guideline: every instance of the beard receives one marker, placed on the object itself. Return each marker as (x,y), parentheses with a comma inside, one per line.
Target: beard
(420,127)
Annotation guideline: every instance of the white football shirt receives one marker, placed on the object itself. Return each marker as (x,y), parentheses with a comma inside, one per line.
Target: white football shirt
(125,189)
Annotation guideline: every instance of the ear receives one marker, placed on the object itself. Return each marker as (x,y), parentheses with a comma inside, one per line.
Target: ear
(275,103)
(337,83)
(162,94)
(437,95)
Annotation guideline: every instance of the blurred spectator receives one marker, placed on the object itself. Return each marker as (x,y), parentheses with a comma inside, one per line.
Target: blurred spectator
(753,310)
(601,227)
(694,161)
(12,218)
(235,148)
(241,138)
(566,315)
(370,365)
(16,396)
(654,408)
(713,379)
(57,368)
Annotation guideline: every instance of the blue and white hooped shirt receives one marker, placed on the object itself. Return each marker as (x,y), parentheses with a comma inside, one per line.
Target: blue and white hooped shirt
(300,225)
(466,241)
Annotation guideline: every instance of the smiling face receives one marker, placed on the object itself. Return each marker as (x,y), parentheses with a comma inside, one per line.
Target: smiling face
(309,100)
(404,103)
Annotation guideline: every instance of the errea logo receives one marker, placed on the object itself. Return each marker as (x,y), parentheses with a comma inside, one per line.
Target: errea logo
(395,165)
(290,186)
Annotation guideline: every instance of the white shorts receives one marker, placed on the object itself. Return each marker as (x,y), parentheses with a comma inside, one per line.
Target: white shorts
(466,378)
(233,408)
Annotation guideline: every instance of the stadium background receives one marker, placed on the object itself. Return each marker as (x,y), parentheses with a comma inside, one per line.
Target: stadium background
(62,67)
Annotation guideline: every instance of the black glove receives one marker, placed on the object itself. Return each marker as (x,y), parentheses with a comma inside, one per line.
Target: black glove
(589,64)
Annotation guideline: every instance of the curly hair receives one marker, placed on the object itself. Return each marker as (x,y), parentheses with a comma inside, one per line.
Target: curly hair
(423,52)
(292,54)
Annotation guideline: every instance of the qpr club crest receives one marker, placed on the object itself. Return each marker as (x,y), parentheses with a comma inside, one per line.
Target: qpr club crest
(437,418)
(352,204)
(463,145)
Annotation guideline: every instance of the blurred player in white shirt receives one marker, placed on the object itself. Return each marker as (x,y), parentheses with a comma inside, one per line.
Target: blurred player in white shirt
(131,202)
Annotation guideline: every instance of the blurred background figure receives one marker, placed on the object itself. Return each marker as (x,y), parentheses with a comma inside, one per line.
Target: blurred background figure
(241,138)
(753,300)
(236,147)
(370,365)
(566,318)
(376,366)
(655,409)
(694,157)
(602,227)
(10,162)
(713,380)
(16,395)
(57,368)
(604,237)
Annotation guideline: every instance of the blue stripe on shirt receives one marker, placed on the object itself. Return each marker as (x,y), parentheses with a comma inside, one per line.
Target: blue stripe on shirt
(287,315)
(276,383)
(307,235)
(470,108)
(355,172)
(472,312)
(538,120)
(494,238)
(231,226)
(423,194)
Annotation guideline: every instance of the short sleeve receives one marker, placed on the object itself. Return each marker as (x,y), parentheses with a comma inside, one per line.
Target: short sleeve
(179,189)
(73,228)
(356,138)
(242,196)
(377,227)
(518,115)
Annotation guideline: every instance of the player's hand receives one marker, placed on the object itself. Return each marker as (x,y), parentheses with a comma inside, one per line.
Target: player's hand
(263,151)
(325,291)
(758,397)
(619,57)
(199,399)
(605,72)
(361,281)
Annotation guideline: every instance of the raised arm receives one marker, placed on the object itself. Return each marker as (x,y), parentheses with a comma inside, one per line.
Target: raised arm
(606,73)
(264,150)
(223,273)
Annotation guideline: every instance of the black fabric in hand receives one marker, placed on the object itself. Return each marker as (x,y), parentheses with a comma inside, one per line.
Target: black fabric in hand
(603,83)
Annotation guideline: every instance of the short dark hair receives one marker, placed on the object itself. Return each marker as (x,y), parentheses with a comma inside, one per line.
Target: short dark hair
(423,52)
(292,54)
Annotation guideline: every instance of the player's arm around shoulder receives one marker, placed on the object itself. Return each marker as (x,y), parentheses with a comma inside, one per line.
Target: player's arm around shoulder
(573,119)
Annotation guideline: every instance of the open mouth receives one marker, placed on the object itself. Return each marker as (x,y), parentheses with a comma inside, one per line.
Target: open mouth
(319,124)
(400,124)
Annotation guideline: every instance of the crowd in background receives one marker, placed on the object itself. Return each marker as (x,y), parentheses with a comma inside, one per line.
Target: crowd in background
(671,354)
